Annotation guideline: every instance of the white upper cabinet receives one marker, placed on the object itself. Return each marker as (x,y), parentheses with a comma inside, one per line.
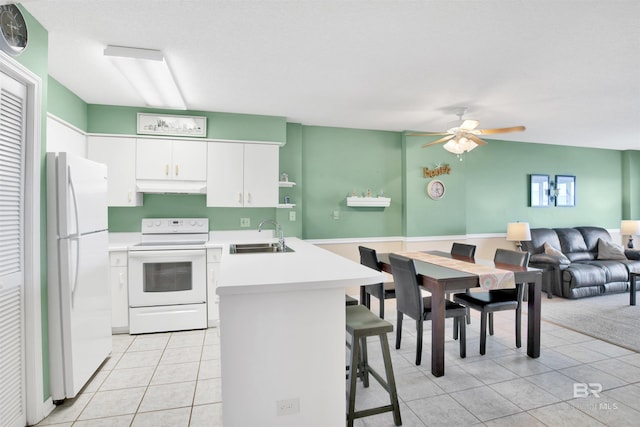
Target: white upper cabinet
(119,154)
(164,159)
(242,175)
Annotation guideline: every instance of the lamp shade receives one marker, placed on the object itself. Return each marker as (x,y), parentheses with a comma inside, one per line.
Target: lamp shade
(518,231)
(630,227)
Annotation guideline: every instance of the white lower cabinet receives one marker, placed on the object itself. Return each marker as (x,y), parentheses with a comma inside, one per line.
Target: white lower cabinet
(119,292)
(213,272)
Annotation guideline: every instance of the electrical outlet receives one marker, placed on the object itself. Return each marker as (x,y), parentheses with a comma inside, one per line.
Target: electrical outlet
(288,406)
(292,215)
(245,222)
(336,214)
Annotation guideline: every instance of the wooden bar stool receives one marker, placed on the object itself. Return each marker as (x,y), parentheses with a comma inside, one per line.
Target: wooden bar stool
(362,323)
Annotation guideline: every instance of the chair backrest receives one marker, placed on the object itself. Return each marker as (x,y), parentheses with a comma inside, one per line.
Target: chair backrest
(408,296)
(462,249)
(506,256)
(369,257)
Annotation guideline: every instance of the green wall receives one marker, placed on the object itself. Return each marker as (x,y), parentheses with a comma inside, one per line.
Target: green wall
(338,161)
(66,105)
(630,185)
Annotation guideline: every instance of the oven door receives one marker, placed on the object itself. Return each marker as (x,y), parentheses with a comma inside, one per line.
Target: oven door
(167,277)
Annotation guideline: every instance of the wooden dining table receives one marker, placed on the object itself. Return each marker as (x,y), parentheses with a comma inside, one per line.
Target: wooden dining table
(439,280)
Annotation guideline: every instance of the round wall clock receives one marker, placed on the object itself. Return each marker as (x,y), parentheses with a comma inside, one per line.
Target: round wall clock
(435,189)
(13,30)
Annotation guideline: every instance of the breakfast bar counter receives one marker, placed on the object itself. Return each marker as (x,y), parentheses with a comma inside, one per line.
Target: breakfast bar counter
(282,335)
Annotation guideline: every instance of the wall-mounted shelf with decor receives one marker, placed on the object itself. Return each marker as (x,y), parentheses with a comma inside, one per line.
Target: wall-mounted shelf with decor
(368,202)
(286,205)
(286,184)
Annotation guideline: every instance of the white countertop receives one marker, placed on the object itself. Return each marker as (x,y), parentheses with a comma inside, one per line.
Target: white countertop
(309,267)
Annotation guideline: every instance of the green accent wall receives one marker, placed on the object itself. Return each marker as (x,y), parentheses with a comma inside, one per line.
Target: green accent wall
(631,185)
(498,186)
(337,162)
(66,105)
(291,164)
(183,206)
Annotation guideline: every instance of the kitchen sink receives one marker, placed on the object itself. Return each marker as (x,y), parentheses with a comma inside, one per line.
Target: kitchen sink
(257,248)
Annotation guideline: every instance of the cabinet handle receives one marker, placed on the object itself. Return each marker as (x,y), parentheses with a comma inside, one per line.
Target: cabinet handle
(166,169)
(129,196)
(240,198)
(248,197)
(121,279)
(177,170)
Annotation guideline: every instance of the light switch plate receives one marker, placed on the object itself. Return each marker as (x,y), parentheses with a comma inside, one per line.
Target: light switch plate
(292,216)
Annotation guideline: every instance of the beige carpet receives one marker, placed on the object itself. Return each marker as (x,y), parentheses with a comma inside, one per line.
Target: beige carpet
(607,317)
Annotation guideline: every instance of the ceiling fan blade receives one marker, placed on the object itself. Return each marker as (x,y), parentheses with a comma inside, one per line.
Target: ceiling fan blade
(475,139)
(428,134)
(445,139)
(500,130)
(469,124)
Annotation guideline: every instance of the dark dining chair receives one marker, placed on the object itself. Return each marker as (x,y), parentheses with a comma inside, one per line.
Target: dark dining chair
(488,302)
(382,291)
(465,251)
(409,301)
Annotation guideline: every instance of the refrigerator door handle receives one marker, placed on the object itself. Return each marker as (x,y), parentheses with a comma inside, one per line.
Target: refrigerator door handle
(74,282)
(75,203)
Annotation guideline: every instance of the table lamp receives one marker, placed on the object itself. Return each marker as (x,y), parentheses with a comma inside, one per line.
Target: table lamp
(517,232)
(630,228)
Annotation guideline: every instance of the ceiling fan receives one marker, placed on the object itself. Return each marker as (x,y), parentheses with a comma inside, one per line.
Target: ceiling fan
(464,137)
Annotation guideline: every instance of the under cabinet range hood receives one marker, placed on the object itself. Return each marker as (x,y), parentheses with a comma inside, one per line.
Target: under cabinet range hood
(171,187)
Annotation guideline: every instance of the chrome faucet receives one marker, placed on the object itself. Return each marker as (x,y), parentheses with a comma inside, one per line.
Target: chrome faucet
(278,227)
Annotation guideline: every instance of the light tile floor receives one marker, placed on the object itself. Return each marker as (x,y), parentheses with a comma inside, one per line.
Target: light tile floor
(173,379)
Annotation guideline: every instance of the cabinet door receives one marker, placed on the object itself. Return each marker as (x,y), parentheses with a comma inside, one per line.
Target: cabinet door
(189,160)
(119,292)
(261,175)
(153,158)
(213,301)
(119,154)
(225,174)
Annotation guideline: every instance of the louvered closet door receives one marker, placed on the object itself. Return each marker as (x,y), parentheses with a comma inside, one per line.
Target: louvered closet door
(12,375)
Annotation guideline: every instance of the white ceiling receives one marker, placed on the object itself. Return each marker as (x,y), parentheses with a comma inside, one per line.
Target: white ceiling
(569,70)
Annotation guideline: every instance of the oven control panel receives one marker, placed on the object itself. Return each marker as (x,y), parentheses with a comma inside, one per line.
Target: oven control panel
(175,225)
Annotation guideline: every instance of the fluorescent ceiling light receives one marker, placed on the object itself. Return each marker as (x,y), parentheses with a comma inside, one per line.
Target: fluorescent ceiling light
(149,74)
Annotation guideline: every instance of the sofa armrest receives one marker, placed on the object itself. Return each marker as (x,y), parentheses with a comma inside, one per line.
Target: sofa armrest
(550,260)
(632,254)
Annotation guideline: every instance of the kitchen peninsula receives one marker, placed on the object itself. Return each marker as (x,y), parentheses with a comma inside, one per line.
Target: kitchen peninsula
(282,334)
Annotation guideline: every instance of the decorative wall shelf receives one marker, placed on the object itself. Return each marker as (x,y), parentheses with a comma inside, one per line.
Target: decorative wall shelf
(286,184)
(375,202)
(286,206)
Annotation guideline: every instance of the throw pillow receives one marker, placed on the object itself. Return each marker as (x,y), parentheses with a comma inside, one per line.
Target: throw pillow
(610,250)
(550,250)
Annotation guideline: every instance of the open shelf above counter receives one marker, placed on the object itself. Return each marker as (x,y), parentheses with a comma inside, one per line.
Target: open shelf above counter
(368,202)
(286,205)
(286,184)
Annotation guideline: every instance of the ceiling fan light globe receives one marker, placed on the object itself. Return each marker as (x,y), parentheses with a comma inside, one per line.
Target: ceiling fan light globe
(453,146)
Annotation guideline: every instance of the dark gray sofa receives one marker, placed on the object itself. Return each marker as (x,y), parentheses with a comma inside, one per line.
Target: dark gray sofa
(579,271)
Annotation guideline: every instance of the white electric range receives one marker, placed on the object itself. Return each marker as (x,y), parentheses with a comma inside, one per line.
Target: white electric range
(168,276)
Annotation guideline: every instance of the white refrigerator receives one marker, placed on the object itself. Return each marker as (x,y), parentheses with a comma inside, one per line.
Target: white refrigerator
(78,268)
